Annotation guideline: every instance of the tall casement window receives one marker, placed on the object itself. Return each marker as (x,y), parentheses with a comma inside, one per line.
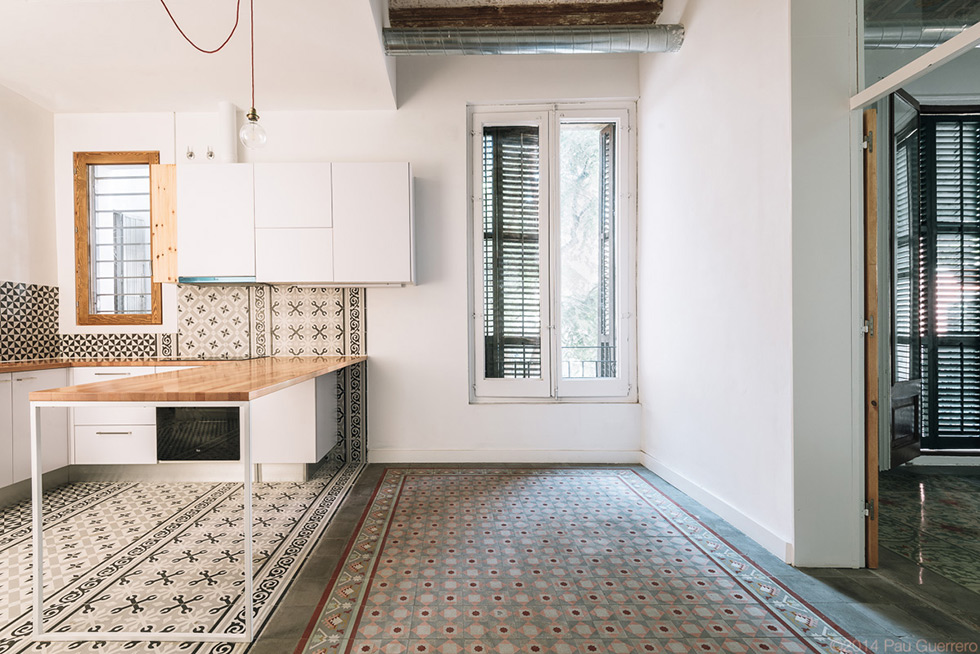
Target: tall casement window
(939,341)
(553,241)
(113,261)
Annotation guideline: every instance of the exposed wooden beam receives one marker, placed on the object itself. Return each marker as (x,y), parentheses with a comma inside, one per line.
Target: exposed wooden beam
(636,12)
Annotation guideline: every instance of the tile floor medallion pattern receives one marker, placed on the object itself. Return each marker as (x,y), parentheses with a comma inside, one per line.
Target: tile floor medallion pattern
(932,517)
(550,560)
(158,557)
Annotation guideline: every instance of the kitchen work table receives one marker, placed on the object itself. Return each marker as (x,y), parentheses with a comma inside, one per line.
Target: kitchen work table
(262,390)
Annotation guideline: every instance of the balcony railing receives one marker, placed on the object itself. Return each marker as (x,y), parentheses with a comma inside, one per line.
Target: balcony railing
(588,362)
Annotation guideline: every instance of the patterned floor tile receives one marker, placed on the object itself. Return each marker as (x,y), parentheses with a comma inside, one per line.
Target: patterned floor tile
(158,556)
(552,560)
(933,520)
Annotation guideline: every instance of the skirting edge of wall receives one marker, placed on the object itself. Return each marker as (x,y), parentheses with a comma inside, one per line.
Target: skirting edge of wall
(757,532)
(503,456)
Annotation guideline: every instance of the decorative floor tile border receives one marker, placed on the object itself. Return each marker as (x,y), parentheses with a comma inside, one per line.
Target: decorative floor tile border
(400,620)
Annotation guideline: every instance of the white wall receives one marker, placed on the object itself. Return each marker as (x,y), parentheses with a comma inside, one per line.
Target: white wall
(26,192)
(417,336)
(715,294)
(94,133)
(828,390)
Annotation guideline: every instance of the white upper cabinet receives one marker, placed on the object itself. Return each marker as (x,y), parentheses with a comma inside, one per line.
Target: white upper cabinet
(297,255)
(293,220)
(343,223)
(215,221)
(292,195)
(372,218)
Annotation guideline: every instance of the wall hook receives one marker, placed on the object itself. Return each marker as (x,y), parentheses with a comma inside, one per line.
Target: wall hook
(190,153)
(210,153)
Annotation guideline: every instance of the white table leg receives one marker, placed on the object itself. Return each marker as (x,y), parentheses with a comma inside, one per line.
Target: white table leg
(37,496)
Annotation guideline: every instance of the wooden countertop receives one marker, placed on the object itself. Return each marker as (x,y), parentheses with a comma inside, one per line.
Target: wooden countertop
(220,381)
(48,364)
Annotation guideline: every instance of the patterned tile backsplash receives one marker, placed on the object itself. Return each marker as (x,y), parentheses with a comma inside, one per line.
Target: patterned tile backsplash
(28,322)
(214,322)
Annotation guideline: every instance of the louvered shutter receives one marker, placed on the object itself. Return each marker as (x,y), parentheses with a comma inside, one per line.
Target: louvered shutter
(905,328)
(512,253)
(952,341)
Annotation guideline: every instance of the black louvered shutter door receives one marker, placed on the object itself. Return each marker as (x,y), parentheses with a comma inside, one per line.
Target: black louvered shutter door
(511,252)
(952,341)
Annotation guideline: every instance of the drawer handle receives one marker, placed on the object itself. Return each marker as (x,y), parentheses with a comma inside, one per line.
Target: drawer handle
(4,381)
(114,433)
(26,378)
(113,374)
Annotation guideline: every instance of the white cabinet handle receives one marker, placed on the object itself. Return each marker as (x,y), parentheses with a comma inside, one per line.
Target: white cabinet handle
(114,433)
(113,374)
(25,378)
(4,381)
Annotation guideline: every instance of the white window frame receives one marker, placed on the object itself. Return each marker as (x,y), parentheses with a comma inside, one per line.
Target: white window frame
(551,387)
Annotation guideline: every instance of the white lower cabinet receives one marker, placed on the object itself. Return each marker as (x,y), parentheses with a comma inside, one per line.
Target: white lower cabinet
(6,431)
(54,423)
(113,434)
(103,444)
(297,424)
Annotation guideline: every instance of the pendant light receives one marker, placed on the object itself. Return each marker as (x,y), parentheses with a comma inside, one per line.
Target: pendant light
(252,133)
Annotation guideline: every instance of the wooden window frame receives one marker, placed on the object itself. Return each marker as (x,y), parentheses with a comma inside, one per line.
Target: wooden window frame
(83,245)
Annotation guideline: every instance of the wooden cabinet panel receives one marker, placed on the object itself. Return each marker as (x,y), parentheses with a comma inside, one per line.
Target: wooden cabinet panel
(372,218)
(54,423)
(6,431)
(292,195)
(294,255)
(216,226)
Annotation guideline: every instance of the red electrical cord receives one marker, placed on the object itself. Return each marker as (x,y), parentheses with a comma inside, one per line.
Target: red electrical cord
(186,38)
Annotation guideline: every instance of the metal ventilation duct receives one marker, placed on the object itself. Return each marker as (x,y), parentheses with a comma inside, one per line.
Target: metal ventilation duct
(533,40)
(884,37)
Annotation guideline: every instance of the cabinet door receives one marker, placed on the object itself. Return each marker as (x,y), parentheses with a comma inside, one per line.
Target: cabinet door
(54,423)
(215,221)
(292,195)
(6,433)
(294,255)
(123,414)
(372,218)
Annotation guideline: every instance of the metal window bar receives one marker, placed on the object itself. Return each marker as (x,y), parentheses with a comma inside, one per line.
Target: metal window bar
(607,255)
(130,240)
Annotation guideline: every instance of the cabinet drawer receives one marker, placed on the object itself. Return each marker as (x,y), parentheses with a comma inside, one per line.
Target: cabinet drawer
(115,444)
(115,415)
(108,373)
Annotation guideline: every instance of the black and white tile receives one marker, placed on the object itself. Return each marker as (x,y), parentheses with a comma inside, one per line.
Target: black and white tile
(109,346)
(28,322)
(308,321)
(159,556)
(213,322)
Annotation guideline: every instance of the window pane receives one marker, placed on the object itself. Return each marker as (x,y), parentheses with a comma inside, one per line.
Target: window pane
(511,252)
(119,196)
(588,253)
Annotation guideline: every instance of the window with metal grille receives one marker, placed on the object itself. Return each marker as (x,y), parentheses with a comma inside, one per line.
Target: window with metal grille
(113,239)
(949,322)
(552,222)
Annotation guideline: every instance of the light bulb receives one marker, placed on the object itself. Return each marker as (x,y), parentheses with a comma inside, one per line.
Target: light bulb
(252,133)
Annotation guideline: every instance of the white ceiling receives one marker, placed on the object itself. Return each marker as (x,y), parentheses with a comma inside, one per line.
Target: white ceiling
(126,55)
